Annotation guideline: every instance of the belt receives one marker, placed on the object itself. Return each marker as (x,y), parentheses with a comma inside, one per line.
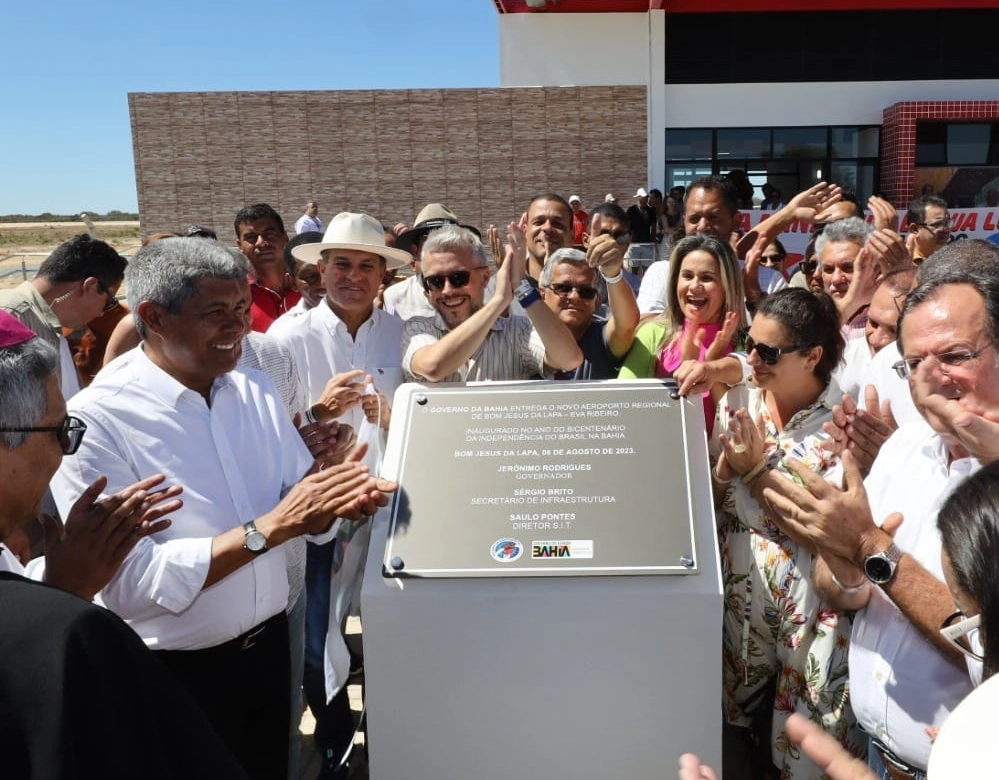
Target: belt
(241,643)
(897,768)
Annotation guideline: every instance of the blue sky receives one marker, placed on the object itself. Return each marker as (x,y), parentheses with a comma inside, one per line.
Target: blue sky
(65,139)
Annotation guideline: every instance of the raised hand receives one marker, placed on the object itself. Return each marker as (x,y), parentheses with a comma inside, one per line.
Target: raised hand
(83,556)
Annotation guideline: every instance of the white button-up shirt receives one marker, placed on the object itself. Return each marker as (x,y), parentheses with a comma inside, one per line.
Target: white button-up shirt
(899,682)
(322,346)
(235,460)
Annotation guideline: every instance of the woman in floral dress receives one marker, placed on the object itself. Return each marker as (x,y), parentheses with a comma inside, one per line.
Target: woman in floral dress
(785,647)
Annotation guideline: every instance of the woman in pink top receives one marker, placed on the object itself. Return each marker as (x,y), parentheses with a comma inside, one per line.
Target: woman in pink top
(706,308)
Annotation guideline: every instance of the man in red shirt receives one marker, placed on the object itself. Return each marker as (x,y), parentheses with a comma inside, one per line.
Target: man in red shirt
(580,219)
(261,237)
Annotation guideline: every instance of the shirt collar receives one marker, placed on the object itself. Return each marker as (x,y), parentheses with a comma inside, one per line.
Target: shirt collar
(40,305)
(166,387)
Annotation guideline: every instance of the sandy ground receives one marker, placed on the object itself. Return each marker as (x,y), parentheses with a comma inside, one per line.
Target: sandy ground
(27,244)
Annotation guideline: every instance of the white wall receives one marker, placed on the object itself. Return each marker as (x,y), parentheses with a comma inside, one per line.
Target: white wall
(820,103)
(570,50)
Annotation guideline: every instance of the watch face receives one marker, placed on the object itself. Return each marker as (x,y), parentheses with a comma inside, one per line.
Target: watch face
(878,570)
(255,541)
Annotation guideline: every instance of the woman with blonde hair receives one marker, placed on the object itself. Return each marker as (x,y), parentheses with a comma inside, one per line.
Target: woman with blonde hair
(706,307)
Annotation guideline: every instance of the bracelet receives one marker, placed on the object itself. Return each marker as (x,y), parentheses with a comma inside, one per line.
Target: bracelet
(755,472)
(613,279)
(848,588)
(310,418)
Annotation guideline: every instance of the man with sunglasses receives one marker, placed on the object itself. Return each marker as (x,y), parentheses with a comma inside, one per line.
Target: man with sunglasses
(568,287)
(469,339)
(407,299)
(75,284)
(929,226)
(904,676)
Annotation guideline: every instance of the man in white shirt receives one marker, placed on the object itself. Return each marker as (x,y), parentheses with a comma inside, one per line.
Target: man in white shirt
(339,346)
(904,676)
(711,207)
(309,221)
(210,591)
(82,695)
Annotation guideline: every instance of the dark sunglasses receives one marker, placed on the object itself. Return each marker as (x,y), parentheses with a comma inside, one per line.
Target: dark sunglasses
(807,267)
(69,434)
(197,231)
(436,282)
(586,292)
(112,303)
(768,354)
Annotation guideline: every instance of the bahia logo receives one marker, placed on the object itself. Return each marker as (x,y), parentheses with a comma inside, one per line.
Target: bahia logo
(506,550)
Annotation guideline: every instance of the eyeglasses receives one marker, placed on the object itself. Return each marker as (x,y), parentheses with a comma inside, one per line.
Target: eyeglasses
(112,302)
(807,267)
(937,227)
(69,434)
(960,630)
(456,278)
(768,354)
(906,367)
(771,259)
(586,292)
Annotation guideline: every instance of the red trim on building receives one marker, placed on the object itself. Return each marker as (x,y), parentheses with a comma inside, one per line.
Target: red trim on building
(730,6)
(898,138)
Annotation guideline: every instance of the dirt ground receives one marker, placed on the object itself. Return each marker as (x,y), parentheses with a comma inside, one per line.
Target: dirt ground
(24,245)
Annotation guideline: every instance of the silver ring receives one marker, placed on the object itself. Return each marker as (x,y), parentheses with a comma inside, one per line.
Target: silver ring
(739,448)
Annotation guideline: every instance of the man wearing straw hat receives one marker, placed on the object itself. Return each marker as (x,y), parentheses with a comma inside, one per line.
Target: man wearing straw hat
(348,357)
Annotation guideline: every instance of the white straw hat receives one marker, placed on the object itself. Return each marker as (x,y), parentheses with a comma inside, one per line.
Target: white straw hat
(360,232)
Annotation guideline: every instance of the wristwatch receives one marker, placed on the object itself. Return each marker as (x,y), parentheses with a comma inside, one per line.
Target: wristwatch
(254,541)
(526,294)
(880,567)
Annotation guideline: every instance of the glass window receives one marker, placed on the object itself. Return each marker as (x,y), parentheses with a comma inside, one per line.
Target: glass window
(688,144)
(968,144)
(931,143)
(680,175)
(748,142)
(855,142)
(800,142)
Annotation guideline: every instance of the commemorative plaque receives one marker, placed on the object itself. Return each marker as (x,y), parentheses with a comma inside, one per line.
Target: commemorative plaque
(542,479)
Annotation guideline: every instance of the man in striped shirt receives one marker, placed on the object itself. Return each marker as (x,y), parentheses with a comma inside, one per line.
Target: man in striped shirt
(469,339)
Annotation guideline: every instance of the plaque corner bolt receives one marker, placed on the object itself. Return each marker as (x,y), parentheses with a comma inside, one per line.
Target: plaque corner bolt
(397,564)
(422,400)
(687,561)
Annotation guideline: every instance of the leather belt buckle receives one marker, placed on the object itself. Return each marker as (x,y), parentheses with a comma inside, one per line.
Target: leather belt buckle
(251,639)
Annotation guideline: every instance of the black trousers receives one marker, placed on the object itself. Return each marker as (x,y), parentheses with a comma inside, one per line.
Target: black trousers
(243,686)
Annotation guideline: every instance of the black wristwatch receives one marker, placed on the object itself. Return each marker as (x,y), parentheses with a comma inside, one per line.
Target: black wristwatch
(254,541)
(880,567)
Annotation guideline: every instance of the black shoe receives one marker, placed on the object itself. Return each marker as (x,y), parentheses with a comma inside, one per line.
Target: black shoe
(332,769)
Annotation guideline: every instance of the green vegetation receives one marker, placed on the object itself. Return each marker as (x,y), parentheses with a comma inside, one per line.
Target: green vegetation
(111,216)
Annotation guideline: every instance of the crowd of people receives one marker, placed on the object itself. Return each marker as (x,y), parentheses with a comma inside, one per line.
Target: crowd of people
(851,404)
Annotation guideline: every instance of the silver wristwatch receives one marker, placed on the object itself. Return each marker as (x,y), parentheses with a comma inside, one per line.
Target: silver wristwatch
(253,540)
(880,567)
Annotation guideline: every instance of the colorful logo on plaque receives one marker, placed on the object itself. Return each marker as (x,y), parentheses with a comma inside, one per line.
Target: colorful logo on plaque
(569,548)
(506,550)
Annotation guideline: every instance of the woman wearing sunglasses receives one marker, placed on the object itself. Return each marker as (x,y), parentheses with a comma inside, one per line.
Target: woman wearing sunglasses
(705,309)
(784,648)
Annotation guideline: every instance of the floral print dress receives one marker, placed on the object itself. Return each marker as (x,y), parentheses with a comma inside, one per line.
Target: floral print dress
(776,627)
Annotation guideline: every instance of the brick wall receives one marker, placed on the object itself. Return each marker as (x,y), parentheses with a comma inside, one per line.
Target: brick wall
(898,138)
(200,156)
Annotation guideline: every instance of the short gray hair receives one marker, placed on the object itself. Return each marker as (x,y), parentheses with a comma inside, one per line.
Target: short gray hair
(851,229)
(167,272)
(453,238)
(558,257)
(24,373)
